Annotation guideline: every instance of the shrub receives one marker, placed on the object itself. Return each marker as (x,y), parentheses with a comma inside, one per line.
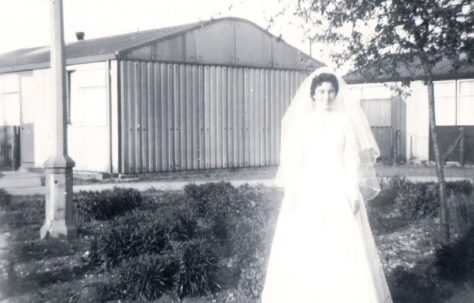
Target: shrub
(418,200)
(189,269)
(455,261)
(147,276)
(5,199)
(429,204)
(197,268)
(420,284)
(388,193)
(142,232)
(23,202)
(110,290)
(214,202)
(252,277)
(182,224)
(401,201)
(414,200)
(253,229)
(465,187)
(237,217)
(463,294)
(23,217)
(384,217)
(187,228)
(106,204)
(250,236)
(116,243)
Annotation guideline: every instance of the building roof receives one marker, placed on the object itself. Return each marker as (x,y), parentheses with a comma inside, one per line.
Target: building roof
(89,50)
(444,70)
(100,49)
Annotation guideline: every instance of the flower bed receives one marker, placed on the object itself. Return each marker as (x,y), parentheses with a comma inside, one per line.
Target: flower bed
(207,243)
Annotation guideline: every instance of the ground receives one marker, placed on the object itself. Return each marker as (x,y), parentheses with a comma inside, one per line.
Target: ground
(404,247)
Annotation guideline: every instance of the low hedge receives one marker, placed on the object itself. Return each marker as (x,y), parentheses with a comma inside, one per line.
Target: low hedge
(118,242)
(455,261)
(401,201)
(209,232)
(5,199)
(106,204)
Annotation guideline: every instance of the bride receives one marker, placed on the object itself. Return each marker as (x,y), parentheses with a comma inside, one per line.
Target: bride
(323,248)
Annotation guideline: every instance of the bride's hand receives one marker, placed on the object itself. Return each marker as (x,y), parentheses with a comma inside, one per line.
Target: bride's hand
(355,205)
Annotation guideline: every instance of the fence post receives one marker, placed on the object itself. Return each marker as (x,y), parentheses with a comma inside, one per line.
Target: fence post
(395,134)
(462,146)
(16,147)
(12,150)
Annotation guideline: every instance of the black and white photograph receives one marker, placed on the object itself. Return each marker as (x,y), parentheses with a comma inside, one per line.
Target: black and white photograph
(237,151)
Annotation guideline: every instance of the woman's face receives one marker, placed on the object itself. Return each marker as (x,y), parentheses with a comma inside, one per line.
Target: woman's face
(324,95)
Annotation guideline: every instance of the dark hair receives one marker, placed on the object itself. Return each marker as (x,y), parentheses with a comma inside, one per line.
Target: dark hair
(323,77)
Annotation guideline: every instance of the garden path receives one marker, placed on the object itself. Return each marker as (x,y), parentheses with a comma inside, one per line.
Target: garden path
(29,183)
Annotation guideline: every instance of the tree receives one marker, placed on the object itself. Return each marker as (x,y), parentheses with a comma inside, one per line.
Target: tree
(398,39)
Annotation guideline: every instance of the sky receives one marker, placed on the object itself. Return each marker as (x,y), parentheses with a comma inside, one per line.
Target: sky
(26,23)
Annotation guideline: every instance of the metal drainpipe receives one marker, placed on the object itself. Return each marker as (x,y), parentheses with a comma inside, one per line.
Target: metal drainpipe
(119,117)
(109,96)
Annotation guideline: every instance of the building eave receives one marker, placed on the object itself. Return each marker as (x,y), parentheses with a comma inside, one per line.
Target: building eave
(45,65)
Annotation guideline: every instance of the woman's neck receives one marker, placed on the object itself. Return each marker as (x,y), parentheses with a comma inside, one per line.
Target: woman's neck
(320,109)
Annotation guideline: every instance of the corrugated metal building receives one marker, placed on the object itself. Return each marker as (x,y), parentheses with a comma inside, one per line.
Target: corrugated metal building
(197,96)
(392,113)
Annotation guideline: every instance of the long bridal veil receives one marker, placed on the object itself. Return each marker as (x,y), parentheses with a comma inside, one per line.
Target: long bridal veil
(301,105)
(368,153)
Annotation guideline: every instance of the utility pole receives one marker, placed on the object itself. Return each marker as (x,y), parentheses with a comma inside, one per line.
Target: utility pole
(58,168)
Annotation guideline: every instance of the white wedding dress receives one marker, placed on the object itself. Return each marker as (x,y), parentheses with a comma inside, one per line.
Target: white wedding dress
(321,251)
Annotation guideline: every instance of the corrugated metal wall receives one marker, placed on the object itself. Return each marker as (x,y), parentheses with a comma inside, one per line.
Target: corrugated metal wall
(182,117)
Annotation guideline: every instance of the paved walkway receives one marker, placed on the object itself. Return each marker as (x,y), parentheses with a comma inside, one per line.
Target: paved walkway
(29,183)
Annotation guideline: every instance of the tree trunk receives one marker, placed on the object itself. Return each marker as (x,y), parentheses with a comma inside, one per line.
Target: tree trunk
(444,217)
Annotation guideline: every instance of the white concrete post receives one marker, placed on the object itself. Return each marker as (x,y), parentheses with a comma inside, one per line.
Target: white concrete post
(58,168)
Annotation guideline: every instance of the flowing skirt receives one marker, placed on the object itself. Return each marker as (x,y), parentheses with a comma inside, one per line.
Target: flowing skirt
(323,253)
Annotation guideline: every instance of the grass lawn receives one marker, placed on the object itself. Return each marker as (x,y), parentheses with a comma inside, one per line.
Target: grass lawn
(189,247)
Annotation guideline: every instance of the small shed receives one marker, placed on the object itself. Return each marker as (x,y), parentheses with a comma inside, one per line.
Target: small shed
(454,106)
(197,96)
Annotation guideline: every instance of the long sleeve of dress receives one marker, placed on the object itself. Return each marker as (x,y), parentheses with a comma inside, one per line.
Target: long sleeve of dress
(351,164)
(290,157)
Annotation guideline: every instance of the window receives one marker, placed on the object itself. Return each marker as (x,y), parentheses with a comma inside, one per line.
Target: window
(454,102)
(465,102)
(88,98)
(9,100)
(445,102)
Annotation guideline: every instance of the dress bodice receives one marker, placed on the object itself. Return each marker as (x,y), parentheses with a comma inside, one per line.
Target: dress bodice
(328,154)
(322,146)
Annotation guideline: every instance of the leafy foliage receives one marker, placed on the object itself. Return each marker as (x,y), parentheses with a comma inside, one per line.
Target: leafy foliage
(166,250)
(456,261)
(239,219)
(147,276)
(401,201)
(420,284)
(397,41)
(104,205)
(418,200)
(5,199)
(392,36)
(128,238)
(197,268)
(252,276)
